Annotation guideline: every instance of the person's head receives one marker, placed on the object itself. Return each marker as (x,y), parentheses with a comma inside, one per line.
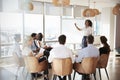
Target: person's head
(88,23)
(62,39)
(40,36)
(28,41)
(90,39)
(34,35)
(103,39)
(17,37)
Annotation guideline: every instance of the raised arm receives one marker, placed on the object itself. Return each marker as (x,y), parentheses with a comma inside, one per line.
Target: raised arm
(77,27)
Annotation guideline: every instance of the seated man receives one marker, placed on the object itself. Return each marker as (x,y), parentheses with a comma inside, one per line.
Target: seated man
(89,51)
(60,51)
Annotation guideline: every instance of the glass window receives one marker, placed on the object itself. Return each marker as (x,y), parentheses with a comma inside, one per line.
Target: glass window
(52,10)
(33,23)
(11,24)
(68,28)
(52,27)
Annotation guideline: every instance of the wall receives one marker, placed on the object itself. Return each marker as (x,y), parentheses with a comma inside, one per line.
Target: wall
(107,27)
(0,5)
(117,36)
(112,30)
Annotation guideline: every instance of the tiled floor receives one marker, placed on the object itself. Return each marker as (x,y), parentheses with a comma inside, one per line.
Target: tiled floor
(8,70)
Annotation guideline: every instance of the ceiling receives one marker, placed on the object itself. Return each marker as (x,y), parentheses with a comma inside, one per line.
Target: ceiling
(98,4)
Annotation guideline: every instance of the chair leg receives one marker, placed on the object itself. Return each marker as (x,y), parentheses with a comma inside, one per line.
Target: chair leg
(94,75)
(35,76)
(23,70)
(69,77)
(74,75)
(47,76)
(17,73)
(54,77)
(100,74)
(26,75)
(64,78)
(106,73)
(32,77)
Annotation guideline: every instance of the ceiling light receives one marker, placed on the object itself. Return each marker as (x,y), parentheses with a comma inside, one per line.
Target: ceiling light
(88,13)
(116,9)
(28,6)
(61,2)
(96,11)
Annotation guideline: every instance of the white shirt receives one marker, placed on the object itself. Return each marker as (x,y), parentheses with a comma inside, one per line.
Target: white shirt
(60,51)
(87,31)
(89,51)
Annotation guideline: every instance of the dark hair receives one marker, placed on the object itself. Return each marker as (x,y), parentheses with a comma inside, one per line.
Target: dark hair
(103,39)
(62,39)
(33,34)
(106,46)
(90,39)
(40,36)
(89,22)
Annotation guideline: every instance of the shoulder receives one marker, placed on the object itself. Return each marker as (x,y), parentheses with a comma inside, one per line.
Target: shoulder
(83,50)
(102,48)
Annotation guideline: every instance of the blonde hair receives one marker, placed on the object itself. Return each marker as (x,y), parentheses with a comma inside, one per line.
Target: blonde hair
(26,40)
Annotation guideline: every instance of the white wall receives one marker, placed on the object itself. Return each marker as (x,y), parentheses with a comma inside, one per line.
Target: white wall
(112,30)
(0,5)
(117,35)
(107,25)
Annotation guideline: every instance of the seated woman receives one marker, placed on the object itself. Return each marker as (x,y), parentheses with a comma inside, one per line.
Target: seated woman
(41,45)
(27,51)
(105,49)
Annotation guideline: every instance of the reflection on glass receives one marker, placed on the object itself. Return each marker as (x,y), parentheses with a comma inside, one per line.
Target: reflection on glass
(68,28)
(52,27)
(11,23)
(33,23)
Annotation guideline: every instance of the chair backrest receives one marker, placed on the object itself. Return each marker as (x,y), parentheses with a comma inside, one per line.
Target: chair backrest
(19,61)
(103,60)
(62,66)
(87,66)
(33,66)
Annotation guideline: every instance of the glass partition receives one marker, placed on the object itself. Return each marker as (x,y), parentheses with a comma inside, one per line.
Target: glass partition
(33,23)
(16,21)
(11,24)
(52,27)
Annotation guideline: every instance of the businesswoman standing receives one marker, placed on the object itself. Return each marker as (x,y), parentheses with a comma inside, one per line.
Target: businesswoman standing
(87,30)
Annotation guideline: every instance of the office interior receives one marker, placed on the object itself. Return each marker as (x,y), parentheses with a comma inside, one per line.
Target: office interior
(18,17)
